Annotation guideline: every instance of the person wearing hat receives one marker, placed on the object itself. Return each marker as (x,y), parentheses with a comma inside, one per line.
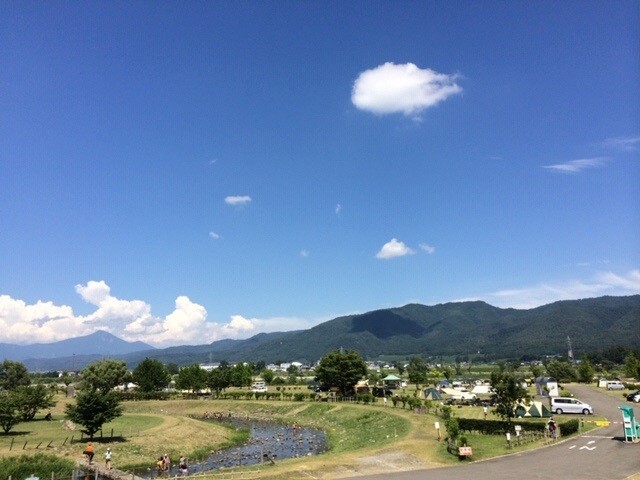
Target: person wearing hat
(107,459)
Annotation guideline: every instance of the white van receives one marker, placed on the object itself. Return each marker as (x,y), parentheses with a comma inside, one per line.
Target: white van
(560,405)
(615,385)
(259,387)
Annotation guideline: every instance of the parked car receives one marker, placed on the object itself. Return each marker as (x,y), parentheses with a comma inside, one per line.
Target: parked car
(560,405)
(615,385)
(634,396)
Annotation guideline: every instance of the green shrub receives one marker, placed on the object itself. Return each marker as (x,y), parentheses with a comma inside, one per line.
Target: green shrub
(40,465)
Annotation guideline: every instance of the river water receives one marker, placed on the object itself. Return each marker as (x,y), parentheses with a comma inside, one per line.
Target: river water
(268,441)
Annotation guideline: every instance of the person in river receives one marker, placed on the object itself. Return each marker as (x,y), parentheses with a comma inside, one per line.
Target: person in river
(182,464)
(89,452)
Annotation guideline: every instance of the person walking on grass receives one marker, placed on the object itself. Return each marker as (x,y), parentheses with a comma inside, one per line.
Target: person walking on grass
(107,459)
(89,452)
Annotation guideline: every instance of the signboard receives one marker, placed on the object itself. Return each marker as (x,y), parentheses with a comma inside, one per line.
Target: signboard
(465,451)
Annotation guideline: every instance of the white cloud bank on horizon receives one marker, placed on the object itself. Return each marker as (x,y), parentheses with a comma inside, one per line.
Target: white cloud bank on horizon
(403,88)
(576,166)
(602,283)
(132,320)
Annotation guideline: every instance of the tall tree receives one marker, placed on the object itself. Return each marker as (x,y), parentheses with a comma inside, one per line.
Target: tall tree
(417,371)
(631,365)
(94,408)
(561,370)
(103,375)
(191,378)
(9,413)
(13,375)
(508,390)
(219,378)
(341,369)
(32,398)
(586,371)
(151,375)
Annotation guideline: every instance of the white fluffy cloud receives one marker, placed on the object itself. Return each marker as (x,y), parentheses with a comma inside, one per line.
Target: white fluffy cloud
(237,199)
(576,166)
(130,320)
(393,249)
(403,88)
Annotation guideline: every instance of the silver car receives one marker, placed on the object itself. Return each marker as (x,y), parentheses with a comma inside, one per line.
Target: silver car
(560,405)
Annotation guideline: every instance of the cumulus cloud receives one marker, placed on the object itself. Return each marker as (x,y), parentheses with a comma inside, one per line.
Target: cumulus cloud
(576,166)
(237,199)
(601,283)
(338,209)
(131,320)
(214,235)
(393,249)
(304,253)
(402,88)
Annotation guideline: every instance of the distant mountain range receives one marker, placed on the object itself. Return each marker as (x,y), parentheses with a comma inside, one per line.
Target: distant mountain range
(463,328)
(96,345)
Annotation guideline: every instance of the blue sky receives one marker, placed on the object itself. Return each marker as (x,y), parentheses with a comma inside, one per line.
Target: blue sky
(182,172)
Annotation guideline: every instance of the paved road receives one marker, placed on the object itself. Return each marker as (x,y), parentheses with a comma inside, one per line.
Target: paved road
(597,455)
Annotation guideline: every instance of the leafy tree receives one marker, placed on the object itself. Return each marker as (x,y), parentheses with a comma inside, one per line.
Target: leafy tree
(341,369)
(536,371)
(103,375)
(293,372)
(151,375)
(259,367)
(93,408)
(631,365)
(417,371)
(561,370)
(172,368)
(447,372)
(267,375)
(219,378)
(508,390)
(9,413)
(241,375)
(13,375)
(191,378)
(399,366)
(585,371)
(32,398)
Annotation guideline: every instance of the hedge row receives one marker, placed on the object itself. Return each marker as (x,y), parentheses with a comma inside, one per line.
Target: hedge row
(500,427)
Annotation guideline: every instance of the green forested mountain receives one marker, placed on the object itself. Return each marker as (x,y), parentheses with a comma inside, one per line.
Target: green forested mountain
(468,328)
(462,328)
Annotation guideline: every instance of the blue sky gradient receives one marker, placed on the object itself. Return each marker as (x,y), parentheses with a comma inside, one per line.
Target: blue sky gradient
(184,172)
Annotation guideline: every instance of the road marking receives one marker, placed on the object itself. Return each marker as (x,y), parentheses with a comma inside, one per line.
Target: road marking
(588,448)
(597,436)
(572,446)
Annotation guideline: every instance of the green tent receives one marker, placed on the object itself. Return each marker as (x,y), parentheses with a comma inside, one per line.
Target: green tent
(431,394)
(533,409)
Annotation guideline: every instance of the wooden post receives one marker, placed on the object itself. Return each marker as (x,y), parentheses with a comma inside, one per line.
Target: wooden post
(38,446)
(10,447)
(65,441)
(24,446)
